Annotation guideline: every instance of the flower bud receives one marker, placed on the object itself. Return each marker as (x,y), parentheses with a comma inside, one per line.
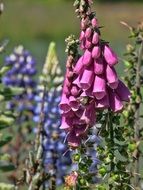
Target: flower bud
(94,22)
(110,56)
(96,52)
(95,38)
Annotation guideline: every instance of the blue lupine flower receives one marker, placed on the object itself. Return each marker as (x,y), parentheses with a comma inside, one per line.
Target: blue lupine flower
(20,75)
(54,161)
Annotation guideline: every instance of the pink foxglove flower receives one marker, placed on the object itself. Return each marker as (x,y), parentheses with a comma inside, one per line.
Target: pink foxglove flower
(123,92)
(64,104)
(87,58)
(112,77)
(110,56)
(91,82)
(96,52)
(115,102)
(99,89)
(95,38)
(86,79)
(98,66)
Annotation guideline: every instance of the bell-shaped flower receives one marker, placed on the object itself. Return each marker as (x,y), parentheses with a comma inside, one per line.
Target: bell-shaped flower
(112,77)
(87,57)
(86,79)
(99,88)
(123,92)
(103,103)
(66,123)
(64,104)
(73,140)
(109,55)
(115,102)
(74,104)
(98,66)
(79,66)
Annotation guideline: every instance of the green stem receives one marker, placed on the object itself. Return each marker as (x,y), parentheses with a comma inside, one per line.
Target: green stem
(111,145)
(53,177)
(36,182)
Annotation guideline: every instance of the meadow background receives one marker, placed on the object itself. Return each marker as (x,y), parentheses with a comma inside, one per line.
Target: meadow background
(34,23)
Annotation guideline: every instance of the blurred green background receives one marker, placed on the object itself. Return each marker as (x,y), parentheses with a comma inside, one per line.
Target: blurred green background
(34,23)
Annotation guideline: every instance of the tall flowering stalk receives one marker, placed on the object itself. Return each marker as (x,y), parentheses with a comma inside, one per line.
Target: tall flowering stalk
(91,84)
(84,157)
(20,75)
(50,139)
(132,114)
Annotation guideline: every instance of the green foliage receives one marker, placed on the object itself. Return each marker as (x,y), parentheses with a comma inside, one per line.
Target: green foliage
(4,186)
(6,120)
(132,115)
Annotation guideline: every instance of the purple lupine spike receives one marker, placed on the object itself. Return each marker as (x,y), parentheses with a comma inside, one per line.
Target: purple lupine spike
(112,77)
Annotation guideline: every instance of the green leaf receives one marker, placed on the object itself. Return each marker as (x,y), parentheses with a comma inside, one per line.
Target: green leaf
(6,167)
(4,69)
(16,90)
(4,186)
(4,139)
(3,125)
(5,120)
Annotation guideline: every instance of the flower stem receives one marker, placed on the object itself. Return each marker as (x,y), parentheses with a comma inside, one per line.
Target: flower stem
(111,136)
